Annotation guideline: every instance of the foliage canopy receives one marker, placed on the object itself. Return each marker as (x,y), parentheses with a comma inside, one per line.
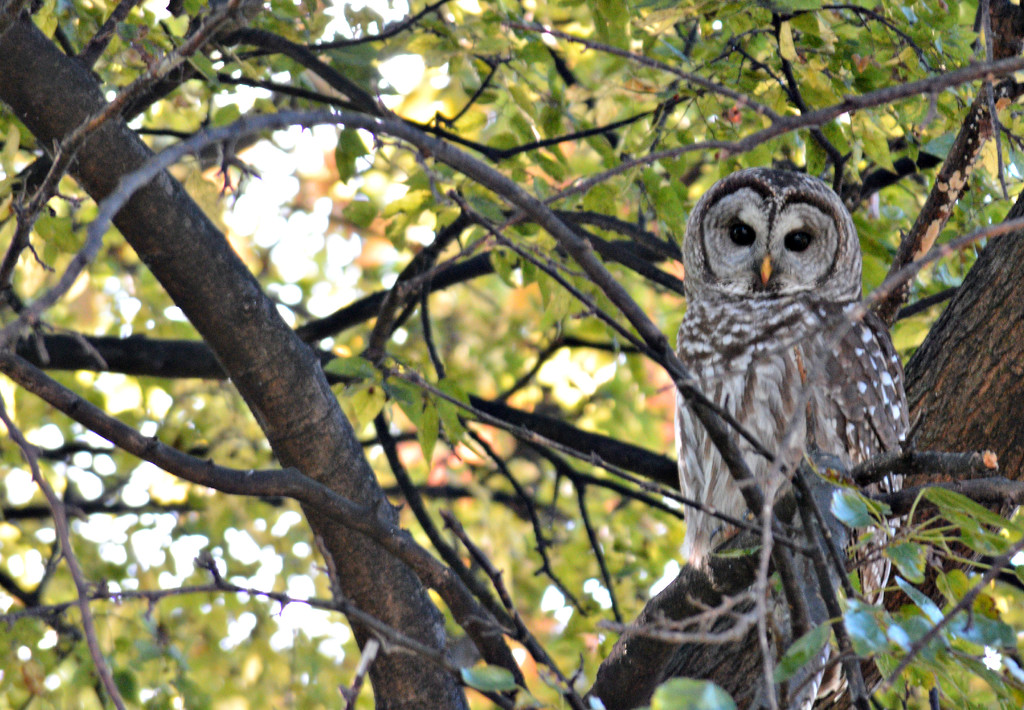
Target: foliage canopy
(498,393)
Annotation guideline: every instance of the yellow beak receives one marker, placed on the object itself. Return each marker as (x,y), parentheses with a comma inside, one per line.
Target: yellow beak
(766,270)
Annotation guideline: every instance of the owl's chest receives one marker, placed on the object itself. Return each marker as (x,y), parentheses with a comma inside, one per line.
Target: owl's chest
(753,360)
(732,337)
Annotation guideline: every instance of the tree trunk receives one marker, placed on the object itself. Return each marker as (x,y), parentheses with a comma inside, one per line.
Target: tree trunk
(966,381)
(278,376)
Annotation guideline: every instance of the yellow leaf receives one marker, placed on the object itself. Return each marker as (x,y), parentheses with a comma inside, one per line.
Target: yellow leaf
(11,144)
(362,403)
(989,158)
(786,47)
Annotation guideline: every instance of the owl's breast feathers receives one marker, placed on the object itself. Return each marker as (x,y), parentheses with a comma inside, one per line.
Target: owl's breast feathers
(778,365)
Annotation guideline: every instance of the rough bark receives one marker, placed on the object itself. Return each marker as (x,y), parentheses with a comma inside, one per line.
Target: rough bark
(638,661)
(966,381)
(276,373)
(965,384)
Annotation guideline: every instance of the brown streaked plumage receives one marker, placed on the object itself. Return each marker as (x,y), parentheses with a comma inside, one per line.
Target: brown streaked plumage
(773,274)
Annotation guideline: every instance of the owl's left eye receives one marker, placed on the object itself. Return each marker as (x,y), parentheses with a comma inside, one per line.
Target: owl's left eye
(797,241)
(742,235)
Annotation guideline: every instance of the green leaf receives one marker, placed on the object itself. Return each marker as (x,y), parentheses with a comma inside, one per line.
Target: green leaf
(226,114)
(489,679)
(450,412)
(205,67)
(428,430)
(850,508)
(690,694)
(816,155)
(127,683)
(834,132)
(922,602)
(950,503)
(909,559)
(360,212)
(737,552)
(411,203)
(12,142)
(600,198)
(558,302)
(795,5)
(874,141)
(352,368)
(865,632)
(59,232)
(350,147)
(899,636)
(362,403)
(505,263)
(916,627)
(804,650)
(939,147)
(983,631)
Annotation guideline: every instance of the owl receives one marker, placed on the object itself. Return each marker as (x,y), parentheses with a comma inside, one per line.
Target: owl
(773,267)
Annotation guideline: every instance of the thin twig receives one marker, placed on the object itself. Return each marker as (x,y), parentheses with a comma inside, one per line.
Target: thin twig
(60,524)
(531,507)
(689,77)
(925,303)
(678,632)
(366,659)
(998,564)
(522,632)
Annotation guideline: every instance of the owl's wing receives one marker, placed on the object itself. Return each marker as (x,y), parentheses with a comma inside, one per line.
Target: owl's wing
(864,383)
(862,412)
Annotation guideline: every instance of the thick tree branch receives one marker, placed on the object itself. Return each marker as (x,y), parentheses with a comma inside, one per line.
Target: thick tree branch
(277,374)
(949,466)
(995,492)
(139,355)
(290,483)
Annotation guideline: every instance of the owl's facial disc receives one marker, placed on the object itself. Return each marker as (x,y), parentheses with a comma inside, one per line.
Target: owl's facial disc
(756,246)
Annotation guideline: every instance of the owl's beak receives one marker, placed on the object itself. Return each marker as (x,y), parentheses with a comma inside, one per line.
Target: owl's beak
(766,270)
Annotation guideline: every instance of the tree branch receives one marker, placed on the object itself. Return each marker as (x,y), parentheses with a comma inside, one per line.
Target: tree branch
(60,524)
(276,373)
(481,626)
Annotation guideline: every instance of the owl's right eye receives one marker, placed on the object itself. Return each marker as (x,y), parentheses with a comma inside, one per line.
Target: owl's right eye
(742,234)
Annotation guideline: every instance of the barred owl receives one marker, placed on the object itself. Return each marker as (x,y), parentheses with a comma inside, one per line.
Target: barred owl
(773,264)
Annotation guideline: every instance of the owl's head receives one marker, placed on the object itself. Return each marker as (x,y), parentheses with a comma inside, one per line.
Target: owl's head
(771,233)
